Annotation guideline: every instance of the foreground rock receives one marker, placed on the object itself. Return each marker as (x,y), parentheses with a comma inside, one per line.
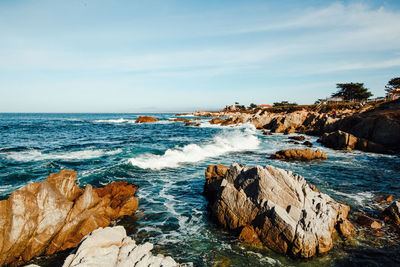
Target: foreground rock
(56,214)
(276,208)
(145,119)
(299,154)
(111,247)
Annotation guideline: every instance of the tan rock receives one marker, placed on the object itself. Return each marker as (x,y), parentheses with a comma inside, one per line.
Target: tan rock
(365,221)
(299,154)
(55,214)
(145,119)
(276,207)
(216,121)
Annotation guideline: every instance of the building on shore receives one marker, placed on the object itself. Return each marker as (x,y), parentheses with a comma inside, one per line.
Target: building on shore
(264,106)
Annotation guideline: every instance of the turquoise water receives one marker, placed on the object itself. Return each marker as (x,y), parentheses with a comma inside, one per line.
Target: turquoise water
(167,161)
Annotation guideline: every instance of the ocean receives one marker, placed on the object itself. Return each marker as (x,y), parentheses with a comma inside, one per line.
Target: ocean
(167,160)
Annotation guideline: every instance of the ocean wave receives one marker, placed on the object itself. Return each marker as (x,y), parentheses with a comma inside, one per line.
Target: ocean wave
(120,120)
(359,197)
(224,142)
(36,155)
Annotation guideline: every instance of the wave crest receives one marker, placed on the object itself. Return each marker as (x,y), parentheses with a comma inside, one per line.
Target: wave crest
(224,142)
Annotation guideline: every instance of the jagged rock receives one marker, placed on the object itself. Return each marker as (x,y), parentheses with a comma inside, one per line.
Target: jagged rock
(339,140)
(285,213)
(392,214)
(365,221)
(298,137)
(346,141)
(145,119)
(299,154)
(111,247)
(383,198)
(55,214)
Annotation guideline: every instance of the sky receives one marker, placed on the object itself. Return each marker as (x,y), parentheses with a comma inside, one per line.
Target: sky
(175,56)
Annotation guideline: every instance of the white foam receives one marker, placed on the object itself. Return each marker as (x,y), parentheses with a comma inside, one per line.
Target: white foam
(226,141)
(120,120)
(359,197)
(36,155)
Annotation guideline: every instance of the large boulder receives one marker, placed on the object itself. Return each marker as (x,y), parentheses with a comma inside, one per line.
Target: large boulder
(299,154)
(345,141)
(111,247)
(276,208)
(145,119)
(55,214)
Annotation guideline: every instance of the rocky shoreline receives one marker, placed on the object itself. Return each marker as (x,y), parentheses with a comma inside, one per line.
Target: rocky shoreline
(371,128)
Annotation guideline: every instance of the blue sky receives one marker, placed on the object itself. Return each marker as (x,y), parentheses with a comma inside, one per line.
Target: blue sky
(144,56)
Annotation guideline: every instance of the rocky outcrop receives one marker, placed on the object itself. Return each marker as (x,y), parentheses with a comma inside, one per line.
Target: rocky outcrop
(275,208)
(299,154)
(55,214)
(392,215)
(145,119)
(111,247)
(345,141)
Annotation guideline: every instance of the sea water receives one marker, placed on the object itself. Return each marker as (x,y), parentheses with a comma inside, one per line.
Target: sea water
(167,160)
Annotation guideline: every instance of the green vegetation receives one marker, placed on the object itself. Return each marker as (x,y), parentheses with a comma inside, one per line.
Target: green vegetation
(352,91)
(393,84)
(284,104)
(252,106)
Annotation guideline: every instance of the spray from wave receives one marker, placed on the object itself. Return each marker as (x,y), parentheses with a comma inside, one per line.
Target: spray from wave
(120,120)
(36,155)
(226,141)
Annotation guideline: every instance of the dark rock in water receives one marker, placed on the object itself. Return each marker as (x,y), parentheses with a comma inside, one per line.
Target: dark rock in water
(55,214)
(145,119)
(365,221)
(345,141)
(192,124)
(298,137)
(307,143)
(383,198)
(299,154)
(276,208)
(392,215)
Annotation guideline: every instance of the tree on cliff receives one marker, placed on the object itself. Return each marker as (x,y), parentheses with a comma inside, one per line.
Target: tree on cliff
(284,103)
(352,91)
(393,84)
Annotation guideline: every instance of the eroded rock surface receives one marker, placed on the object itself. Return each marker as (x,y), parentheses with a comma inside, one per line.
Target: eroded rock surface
(111,247)
(276,208)
(56,214)
(299,154)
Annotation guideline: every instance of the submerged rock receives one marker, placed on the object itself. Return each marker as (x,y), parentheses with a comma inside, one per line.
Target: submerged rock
(276,207)
(298,137)
(144,119)
(111,247)
(299,154)
(55,214)
(392,215)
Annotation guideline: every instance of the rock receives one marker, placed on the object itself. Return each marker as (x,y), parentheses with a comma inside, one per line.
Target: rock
(111,247)
(307,143)
(55,214)
(192,124)
(216,121)
(298,138)
(145,119)
(392,214)
(289,130)
(339,140)
(383,198)
(365,221)
(299,154)
(346,229)
(264,132)
(285,213)
(181,119)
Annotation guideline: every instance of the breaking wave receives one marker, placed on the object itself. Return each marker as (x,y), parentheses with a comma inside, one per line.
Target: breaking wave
(226,141)
(36,155)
